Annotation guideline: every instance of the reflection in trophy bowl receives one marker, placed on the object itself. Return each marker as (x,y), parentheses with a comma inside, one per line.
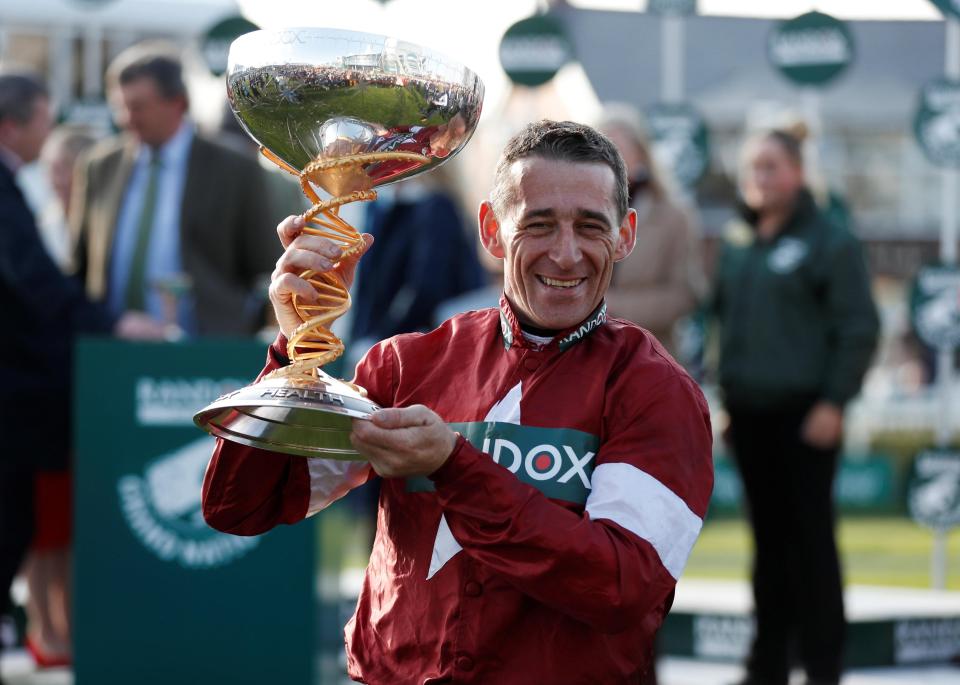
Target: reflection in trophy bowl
(311,95)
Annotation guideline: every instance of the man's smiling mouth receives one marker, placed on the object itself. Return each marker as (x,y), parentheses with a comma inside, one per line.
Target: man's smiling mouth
(560,283)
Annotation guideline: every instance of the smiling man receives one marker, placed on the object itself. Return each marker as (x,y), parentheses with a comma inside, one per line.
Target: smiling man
(546,470)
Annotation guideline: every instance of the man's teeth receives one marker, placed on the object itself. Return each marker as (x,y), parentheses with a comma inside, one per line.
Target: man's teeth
(561,284)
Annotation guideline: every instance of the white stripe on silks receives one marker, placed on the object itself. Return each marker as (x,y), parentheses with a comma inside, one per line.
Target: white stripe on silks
(507,410)
(445,546)
(646,507)
(331,479)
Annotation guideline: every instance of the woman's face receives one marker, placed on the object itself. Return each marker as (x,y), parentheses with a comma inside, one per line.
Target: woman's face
(771,178)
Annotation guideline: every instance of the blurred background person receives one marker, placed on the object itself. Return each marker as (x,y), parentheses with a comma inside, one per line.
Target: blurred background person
(798,328)
(663,280)
(43,312)
(164,213)
(47,568)
(58,158)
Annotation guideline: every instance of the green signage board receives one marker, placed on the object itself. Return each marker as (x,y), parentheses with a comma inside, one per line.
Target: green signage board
(680,141)
(159,596)
(678,7)
(812,49)
(933,491)
(936,124)
(216,42)
(935,305)
(948,7)
(533,50)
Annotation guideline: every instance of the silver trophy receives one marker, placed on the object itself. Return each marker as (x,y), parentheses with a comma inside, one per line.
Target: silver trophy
(343,112)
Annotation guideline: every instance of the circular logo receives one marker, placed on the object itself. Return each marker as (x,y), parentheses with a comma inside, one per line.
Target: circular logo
(680,141)
(678,7)
(216,42)
(935,306)
(936,124)
(812,49)
(933,491)
(948,7)
(533,50)
(543,462)
(162,508)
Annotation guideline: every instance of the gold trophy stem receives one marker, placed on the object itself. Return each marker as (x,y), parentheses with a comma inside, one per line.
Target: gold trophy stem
(313,344)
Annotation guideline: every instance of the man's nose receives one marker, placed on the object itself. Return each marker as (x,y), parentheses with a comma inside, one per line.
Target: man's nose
(565,251)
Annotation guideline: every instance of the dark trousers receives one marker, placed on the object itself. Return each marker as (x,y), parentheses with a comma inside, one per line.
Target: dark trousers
(797,587)
(16,522)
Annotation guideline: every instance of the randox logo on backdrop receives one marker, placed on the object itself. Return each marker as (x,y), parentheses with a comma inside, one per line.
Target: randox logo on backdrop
(812,49)
(162,508)
(533,50)
(680,141)
(936,124)
(933,491)
(935,306)
(557,461)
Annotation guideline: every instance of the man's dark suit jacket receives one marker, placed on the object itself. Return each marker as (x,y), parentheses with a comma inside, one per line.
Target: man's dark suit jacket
(228,241)
(42,312)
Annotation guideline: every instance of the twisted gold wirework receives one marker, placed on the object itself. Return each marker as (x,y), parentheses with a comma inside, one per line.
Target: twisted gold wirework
(313,344)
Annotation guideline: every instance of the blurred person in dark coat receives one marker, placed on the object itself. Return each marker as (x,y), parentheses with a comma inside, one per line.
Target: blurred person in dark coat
(163,204)
(663,280)
(43,311)
(798,328)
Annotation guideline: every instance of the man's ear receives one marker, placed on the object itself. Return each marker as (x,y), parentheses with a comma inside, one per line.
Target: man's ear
(628,236)
(490,230)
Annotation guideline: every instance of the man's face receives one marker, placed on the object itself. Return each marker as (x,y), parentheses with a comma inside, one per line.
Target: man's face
(559,238)
(142,110)
(26,139)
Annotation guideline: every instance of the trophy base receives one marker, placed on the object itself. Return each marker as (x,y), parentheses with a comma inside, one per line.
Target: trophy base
(303,418)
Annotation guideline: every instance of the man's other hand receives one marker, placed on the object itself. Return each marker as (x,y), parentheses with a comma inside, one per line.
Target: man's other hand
(139,326)
(823,426)
(412,441)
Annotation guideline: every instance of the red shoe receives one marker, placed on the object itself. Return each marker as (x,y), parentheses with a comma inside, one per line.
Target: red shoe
(43,660)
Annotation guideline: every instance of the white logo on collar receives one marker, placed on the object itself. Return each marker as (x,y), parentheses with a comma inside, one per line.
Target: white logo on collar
(787,255)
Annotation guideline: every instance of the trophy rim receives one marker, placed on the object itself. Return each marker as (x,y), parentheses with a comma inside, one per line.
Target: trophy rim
(351,32)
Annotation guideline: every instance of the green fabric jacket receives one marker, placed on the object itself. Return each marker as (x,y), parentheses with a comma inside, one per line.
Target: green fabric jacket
(797,320)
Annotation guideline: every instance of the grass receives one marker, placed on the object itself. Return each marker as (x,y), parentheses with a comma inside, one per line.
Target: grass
(876,551)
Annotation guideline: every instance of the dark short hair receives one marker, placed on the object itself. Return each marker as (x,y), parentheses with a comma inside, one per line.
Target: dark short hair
(564,141)
(156,63)
(19,93)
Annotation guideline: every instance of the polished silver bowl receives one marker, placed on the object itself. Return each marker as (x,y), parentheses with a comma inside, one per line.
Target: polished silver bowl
(310,94)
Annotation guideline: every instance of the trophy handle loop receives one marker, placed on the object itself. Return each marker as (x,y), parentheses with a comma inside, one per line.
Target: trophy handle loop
(313,344)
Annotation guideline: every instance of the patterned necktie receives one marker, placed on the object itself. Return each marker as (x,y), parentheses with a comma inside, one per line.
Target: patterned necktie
(135,295)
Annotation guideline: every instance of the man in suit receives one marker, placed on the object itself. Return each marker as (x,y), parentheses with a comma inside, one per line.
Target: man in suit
(43,311)
(165,220)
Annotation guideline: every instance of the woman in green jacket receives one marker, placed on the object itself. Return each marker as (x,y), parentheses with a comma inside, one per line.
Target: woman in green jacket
(797,331)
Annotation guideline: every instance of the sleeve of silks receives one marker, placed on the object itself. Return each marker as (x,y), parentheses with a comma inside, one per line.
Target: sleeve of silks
(248,491)
(620,559)
(853,324)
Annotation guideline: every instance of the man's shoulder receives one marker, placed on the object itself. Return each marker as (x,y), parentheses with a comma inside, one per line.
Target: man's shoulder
(106,152)
(218,152)
(463,326)
(636,353)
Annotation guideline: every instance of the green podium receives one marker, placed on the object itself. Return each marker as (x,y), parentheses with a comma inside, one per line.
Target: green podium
(159,596)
